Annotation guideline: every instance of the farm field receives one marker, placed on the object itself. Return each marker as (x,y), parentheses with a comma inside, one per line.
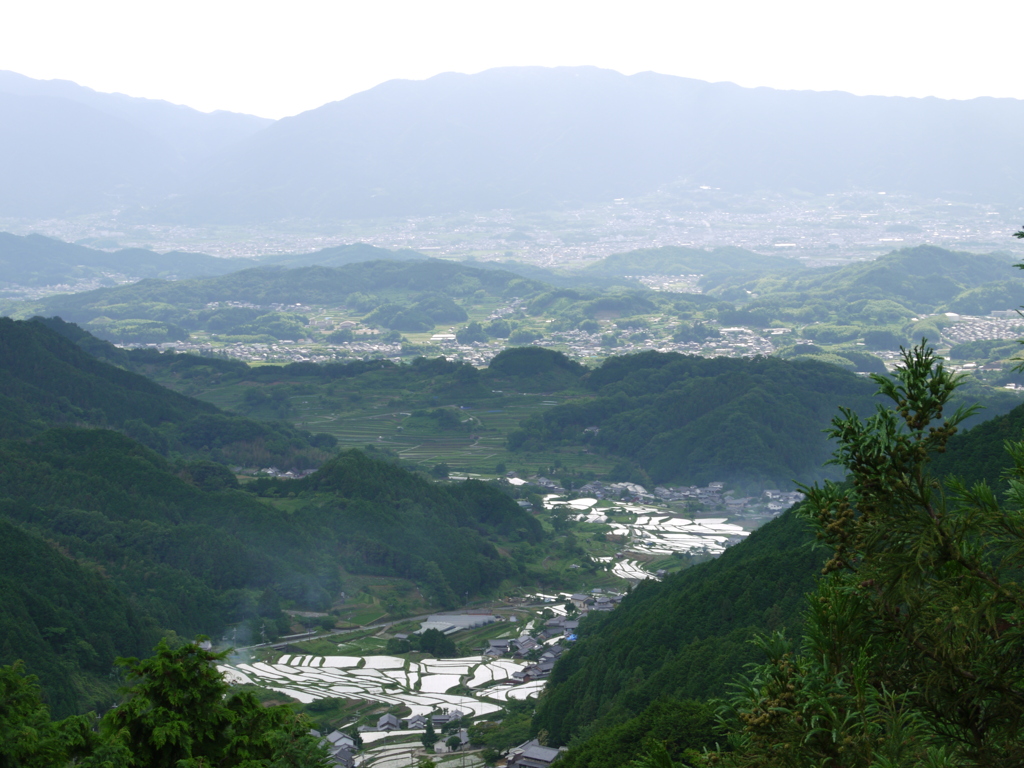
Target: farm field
(650,530)
(419,687)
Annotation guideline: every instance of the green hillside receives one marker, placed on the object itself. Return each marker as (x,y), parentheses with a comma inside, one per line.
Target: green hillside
(36,261)
(192,552)
(369,283)
(697,420)
(340,255)
(979,454)
(688,636)
(715,264)
(887,291)
(682,638)
(65,618)
(47,379)
(172,544)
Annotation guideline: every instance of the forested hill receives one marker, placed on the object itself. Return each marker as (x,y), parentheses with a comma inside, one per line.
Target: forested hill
(715,264)
(340,255)
(685,637)
(180,547)
(65,618)
(979,454)
(172,543)
(697,420)
(46,379)
(890,289)
(364,285)
(34,261)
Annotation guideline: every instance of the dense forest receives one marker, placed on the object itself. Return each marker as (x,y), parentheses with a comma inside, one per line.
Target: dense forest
(695,420)
(47,379)
(172,543)
(683,638)
(689,637)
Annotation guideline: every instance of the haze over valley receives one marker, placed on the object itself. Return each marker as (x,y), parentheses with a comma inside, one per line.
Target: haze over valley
(510,417)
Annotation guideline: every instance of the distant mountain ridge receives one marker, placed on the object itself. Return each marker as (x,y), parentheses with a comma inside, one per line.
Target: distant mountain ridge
(376,281)
(524,137)
(534,137)
(67,149)
(192,133)
(37,261)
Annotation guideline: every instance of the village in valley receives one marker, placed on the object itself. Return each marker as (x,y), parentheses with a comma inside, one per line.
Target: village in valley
(406,707)
(378,703)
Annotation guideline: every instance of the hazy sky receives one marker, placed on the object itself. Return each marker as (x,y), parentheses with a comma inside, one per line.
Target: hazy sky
(280,58)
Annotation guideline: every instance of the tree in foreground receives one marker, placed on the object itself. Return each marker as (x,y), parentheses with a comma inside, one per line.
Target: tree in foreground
(28,738)
(178,712)
(913,646)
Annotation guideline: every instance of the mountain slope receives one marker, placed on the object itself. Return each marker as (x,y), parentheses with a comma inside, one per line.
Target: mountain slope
(172,542)
(534,137)
(68,150)
(46,379)
(36,261)
(62,158)
(372,283)
(694,420)
(686,637)
(525,137)
(65,619)
(676,260)
(192,134)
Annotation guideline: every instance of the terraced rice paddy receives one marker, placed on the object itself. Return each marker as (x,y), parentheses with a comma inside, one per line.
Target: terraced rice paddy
(408,754)
(660,534)
(654,530)
(422,686)
(632,570)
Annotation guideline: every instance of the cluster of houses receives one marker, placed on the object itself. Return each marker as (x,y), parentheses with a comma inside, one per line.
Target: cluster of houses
(532,754)
(595,601)
(546,647)
(342,747)
(439,720)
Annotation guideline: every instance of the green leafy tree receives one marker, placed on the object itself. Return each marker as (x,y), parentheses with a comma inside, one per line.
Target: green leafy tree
(177,714)
(471,334)
(453,742)
(429,738)
(28,738)
(913,642)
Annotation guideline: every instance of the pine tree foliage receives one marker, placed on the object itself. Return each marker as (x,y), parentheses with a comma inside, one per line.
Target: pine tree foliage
(914,640)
